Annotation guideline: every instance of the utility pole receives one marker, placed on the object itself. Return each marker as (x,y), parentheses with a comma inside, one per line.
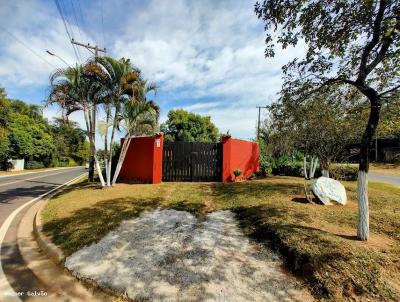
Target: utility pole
(93,126)
(259,120)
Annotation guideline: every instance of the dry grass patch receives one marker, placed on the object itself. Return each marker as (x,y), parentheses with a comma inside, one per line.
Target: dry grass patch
(318,242)
(386,169)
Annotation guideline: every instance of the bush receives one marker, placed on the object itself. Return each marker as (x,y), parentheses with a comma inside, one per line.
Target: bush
(343,172)
(237,172)
(289,169)
(34,165)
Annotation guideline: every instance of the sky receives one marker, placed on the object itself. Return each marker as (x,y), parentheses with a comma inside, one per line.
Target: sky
(205,56)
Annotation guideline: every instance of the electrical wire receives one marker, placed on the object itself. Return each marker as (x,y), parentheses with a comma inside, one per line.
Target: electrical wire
(102,23)
(60,11)
(27,46)
(77,24)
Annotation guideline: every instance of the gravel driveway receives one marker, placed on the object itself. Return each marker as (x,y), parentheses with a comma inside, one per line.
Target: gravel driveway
(168,255)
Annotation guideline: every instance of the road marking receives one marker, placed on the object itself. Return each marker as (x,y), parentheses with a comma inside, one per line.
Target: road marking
(39,171)
(5,288)
(22,180)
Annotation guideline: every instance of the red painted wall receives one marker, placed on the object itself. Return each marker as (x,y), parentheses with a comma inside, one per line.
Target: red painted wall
(239,154)
(143,161)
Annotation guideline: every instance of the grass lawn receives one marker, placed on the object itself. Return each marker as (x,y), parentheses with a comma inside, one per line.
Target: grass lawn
(317,242)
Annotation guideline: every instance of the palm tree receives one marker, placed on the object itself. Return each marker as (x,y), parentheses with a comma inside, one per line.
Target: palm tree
(119,80)
(140,116)
(73,90)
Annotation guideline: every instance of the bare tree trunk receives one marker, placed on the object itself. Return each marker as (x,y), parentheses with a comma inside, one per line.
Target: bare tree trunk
(92,130)
(362,181)
(124,150)
(92,144)
(325,172)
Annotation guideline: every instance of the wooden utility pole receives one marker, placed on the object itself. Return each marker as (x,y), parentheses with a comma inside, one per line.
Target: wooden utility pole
(259,120)
(93,126)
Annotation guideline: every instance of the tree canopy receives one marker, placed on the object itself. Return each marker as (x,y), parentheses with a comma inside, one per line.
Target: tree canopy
(182,125)
(351,43)
(25,133)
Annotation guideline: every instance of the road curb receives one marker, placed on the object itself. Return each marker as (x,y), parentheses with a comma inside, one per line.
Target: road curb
(45,259)
(52,251)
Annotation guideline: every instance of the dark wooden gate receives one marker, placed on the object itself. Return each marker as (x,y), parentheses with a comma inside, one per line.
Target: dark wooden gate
(184,161)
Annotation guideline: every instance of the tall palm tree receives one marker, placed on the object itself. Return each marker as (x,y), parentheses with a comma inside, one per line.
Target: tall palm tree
(119,79)
(138,115)
(73,90)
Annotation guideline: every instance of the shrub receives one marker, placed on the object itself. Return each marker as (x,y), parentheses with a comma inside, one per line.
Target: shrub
(237,172)
(343,172)
(34,165)
(289,168)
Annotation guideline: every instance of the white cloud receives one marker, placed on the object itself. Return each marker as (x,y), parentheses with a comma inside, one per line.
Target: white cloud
(206,56)
(206,50)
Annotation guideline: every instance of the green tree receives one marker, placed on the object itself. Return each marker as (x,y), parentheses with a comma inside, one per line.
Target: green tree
(75,89)
(182,125)
(30,139)
(71,141)
(4,121)
(321,126)
(355,43)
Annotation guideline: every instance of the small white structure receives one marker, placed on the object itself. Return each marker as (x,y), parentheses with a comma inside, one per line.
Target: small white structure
(17,164)
(327,189)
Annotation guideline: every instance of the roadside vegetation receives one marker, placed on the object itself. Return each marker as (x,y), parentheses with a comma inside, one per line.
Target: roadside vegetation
(318,242)
(26,134)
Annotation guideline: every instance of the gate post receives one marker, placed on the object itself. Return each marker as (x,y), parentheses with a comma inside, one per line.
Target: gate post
(157,157)
(226,158)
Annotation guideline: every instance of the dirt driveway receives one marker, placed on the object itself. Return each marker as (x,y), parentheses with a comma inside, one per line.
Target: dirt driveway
(168,255)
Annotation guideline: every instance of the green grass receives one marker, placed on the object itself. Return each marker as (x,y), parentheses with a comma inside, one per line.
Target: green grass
(318,242)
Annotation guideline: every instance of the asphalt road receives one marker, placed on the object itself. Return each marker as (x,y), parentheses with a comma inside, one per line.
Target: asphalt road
(15,191)
(18,189)
(390,179)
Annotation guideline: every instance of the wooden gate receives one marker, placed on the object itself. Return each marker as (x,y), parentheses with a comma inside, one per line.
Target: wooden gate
(184,161)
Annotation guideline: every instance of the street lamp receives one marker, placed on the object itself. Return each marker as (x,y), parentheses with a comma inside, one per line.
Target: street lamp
(54,55)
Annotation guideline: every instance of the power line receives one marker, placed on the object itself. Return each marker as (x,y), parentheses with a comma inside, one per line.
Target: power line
(70,37)
(27,46)
(76,24)
(102,22)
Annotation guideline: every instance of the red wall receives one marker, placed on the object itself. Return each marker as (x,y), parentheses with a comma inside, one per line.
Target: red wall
(239,154)
(143,161)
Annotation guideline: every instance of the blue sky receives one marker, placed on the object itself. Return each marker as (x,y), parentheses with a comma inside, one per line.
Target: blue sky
(205,56)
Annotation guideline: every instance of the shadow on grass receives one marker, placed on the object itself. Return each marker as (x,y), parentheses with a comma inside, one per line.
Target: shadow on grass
(90,224)
(332,268)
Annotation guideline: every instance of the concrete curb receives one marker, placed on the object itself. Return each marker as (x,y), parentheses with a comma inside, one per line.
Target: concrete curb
(52,251)
(45,259)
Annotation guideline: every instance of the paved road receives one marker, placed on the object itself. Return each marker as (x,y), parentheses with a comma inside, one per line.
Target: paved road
(390,179)
(18,189)
(14,192)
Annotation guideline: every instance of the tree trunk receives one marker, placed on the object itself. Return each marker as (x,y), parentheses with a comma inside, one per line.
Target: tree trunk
(362,181)
(325,173)
(124,149)
(92,150)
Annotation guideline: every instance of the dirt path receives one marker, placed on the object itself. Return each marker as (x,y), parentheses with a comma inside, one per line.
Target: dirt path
(168,255)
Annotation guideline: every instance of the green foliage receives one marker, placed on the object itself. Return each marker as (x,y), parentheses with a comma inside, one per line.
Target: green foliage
(25,133)
(321,126)
(71,142)
(34,165)
(30,139)
(237,172)
(343,172)
(187,126)
(264,159)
